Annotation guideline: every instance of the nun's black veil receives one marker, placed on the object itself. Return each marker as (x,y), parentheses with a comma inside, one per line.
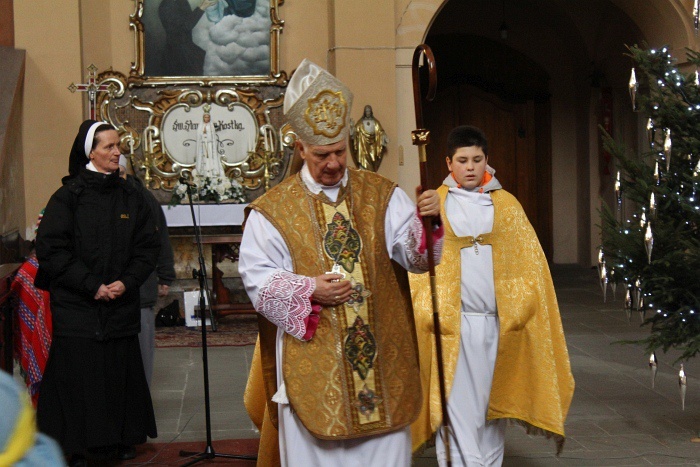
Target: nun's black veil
(78,159)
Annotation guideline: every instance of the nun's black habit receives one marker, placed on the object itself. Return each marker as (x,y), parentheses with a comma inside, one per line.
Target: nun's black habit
(96,230)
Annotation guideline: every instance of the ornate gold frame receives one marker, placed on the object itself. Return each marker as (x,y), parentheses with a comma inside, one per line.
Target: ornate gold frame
(138,113)
(137,104)
(138,79)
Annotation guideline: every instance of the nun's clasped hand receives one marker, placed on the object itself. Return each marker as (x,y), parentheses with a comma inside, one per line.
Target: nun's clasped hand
(109,292)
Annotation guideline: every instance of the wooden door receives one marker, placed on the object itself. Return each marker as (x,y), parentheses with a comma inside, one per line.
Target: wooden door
(519,147)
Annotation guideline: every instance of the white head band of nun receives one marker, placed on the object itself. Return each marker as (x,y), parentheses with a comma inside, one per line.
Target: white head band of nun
(317,105)
(122,160)
(90,137)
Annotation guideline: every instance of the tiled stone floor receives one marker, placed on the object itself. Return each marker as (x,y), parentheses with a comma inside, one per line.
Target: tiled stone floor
(616,418)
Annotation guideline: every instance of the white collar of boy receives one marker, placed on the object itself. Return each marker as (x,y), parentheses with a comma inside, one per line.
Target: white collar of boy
(316,188)
(491,185)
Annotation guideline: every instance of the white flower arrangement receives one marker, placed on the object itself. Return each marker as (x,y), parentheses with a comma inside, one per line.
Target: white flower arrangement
(216,190)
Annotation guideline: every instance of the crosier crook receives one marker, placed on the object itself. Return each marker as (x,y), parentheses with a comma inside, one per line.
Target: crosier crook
(421,137)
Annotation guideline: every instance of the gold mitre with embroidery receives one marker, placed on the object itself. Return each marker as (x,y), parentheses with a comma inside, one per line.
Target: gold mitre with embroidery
(317,105)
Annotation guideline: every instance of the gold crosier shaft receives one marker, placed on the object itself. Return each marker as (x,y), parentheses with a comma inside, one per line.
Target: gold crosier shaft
(421,137)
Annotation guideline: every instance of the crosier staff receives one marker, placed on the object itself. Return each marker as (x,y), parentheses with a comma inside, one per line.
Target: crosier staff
(421,137)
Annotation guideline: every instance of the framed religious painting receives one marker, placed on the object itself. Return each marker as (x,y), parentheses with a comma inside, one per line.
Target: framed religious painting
(203,99)
(206,42)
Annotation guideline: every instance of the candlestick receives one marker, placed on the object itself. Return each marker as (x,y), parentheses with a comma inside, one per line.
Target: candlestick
(271,159)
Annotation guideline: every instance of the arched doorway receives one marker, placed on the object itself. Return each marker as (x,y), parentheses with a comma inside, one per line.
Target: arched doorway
(496,88)
(581,47)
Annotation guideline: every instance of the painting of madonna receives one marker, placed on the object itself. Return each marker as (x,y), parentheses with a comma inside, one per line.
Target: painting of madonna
(206,37)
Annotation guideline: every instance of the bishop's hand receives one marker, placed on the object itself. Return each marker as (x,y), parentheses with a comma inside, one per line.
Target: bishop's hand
(330,290)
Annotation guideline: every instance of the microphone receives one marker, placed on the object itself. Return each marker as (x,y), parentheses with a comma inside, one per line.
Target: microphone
(186,181)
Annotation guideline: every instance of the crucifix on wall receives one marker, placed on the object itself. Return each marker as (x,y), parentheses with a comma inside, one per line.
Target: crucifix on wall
(92,88)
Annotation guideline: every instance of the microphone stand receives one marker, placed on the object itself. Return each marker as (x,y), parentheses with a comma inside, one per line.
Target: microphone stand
(204,305)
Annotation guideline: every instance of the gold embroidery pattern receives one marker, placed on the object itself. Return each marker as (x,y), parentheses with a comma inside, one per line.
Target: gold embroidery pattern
(328,396)
(326,113)
(360,348)
(367,401)
(532,360)
(359,294)
(342,242)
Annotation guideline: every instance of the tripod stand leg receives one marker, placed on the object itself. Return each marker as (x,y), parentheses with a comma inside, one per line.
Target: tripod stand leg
(210,454)
(198,456)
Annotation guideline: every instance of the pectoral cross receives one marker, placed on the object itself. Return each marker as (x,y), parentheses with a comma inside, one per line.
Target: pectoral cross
(336,269)
(92,88)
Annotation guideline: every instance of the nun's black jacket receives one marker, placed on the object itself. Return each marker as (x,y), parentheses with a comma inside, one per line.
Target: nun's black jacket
(96,229)
(165,270)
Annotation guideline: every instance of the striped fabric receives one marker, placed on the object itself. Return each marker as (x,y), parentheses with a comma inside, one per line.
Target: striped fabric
(33,326)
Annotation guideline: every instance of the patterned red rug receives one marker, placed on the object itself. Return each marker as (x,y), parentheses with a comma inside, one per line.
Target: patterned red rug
(231,330)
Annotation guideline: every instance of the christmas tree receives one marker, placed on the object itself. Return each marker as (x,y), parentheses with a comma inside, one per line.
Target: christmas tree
(651,237)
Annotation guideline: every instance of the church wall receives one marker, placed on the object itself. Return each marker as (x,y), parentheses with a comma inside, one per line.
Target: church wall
(368,44)
(564,208)
(351,39)
(560,61)
(12,181)
(122,37)
(663,22)
(567,45)
(412,20)
(363,53)
(407,155)
(49,31)
(305,35)
(68,36)
(583,169)
(359,51)
(7,27)
(595,184)
(12,215)
(96,33)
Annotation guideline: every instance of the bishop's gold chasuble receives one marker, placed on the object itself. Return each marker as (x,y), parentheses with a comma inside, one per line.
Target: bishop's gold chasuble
(358,375)
(532,381)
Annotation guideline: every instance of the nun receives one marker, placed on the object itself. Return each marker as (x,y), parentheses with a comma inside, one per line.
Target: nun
(97,243)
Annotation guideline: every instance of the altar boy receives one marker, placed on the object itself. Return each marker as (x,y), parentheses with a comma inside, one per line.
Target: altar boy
(503,345)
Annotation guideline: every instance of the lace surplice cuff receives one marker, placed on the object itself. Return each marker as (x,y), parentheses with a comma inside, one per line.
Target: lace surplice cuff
(417,245)
(285,300)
